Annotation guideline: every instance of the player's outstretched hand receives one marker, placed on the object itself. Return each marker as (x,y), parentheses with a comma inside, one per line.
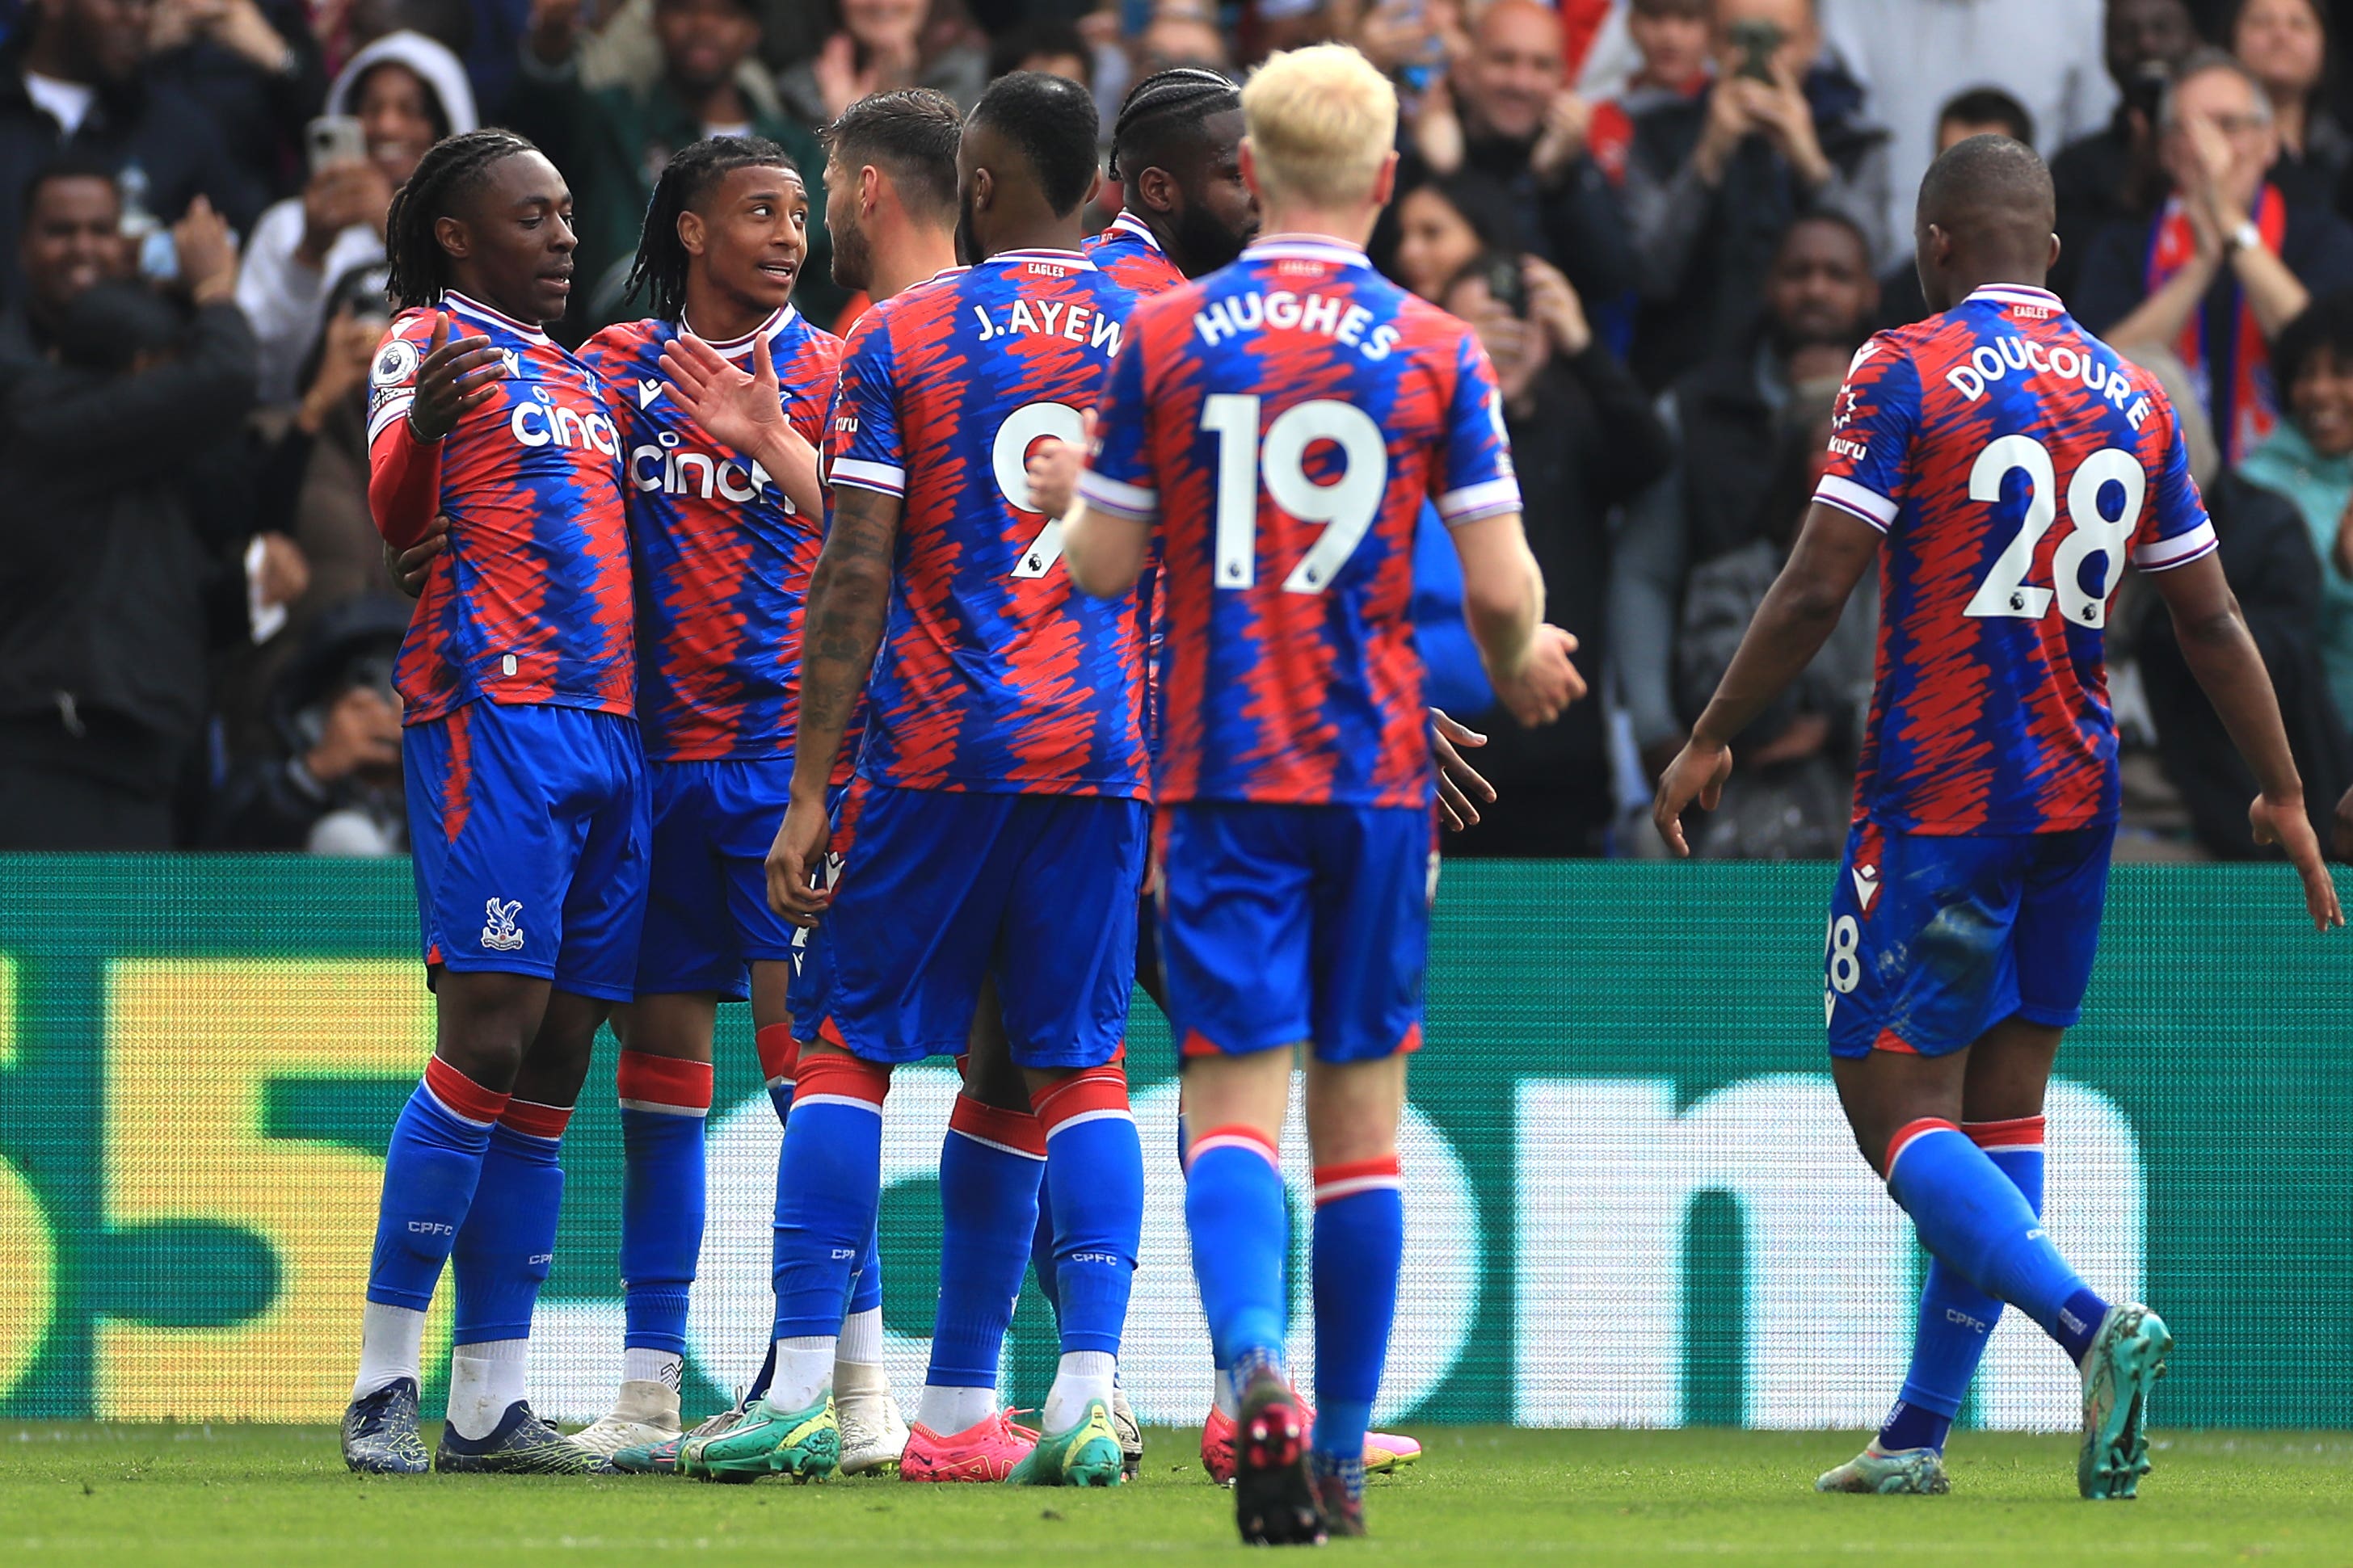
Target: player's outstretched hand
(1697,774)
(740,409)
(1053,468)
(794,860)
(1546,683)
(1461,788)
(410,566)
(2284,824)
(455,379)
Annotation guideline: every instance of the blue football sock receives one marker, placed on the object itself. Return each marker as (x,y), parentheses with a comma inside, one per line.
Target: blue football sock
(664,1103)
(866,1290)
(1359,1247)
(990,1165)
(828,1191)
(430,1173)
(1956,1317)
(1095,1184)
(1239,1222)
(1972,1216)
(1042,1257)
(780,1056)
(507,1242)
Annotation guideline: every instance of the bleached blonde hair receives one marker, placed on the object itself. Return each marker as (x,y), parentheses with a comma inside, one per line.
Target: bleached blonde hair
(1321,122)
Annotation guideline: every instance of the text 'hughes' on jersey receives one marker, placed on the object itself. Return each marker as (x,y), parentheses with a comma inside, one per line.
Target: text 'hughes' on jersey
(722,558)
(995,674)
(2015,463)
(530,601)
(1284,419)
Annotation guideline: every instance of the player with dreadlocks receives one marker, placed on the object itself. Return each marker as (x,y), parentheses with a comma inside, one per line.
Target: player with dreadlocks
(725,520)
(526,801)
(1175,149)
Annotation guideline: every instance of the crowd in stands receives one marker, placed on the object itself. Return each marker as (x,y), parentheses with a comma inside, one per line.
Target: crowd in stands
(1672,222)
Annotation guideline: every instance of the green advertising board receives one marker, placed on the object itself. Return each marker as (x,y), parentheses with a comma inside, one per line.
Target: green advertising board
(1630,1198)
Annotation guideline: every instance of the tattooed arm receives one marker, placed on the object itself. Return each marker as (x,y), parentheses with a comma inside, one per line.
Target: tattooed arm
(849,600)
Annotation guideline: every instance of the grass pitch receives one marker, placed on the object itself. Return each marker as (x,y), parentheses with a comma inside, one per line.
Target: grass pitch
(101,1494)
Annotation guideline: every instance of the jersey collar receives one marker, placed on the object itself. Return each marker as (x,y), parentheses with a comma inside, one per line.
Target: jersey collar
(1306,248)
(735,346)
(1134,227)
(474,311)
(2007,294)
(1074,259)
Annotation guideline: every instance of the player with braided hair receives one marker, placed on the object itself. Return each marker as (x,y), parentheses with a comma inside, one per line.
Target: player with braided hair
(1176,150)
(725,520)
(526,802)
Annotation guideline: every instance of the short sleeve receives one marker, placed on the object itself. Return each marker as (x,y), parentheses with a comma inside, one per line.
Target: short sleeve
(1475,476)
(1871,426)
(391,375)
(864,447)
(1119,477)
(2174,529)
(810,382)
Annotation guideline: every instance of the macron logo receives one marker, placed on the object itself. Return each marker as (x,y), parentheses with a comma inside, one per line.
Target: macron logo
(1866,885)
(647,391)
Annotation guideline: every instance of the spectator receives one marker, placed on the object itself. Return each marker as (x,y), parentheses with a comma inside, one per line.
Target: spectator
(612,142)
(1050,45)
(111,590)
(2289,573)
(407,92)
(1980,111)
(1790,797)
(1506,110)
(1180,35)
(2112,174)
(1713,183)
(71,239)
(1820,297)
(1672,39)
(1585,440)
(1915,56)
(2309,460)
(254,66)
(2226,262)
(76,80)
(876,46)
(1442,225)
(331,781)
(2286,44)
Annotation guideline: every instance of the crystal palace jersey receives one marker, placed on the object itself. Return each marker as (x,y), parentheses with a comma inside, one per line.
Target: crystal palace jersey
(530,601)
(1130,254)
(995,673)
(723,559)
(2014,463)
(1284,419)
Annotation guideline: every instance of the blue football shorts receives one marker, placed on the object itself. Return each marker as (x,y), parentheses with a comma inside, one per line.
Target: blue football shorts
(1934,940)
(1283,923)
(529,832)
(935,890)
(707,920)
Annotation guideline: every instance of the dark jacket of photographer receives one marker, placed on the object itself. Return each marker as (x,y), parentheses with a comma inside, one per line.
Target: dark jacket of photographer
(112,581)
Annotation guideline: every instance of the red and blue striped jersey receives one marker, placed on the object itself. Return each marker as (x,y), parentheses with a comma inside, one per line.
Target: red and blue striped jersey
(1284,419)
(530,601)
(722,558)
(995,673)
(2014,463)
(1130,253)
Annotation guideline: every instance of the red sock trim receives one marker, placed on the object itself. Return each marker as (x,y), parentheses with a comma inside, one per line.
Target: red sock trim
(539,1121)
(1015,1131)
(1333,1182)
(1910,1131)
(664,1083)
(1236,1136)
(833,1078)
(2017,1132)
(1089,1094)
(780,1054)
(460,1095)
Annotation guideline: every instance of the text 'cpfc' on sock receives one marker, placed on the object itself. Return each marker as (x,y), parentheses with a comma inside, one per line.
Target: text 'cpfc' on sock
(828,1191)
(1095,1187)
(507,1244)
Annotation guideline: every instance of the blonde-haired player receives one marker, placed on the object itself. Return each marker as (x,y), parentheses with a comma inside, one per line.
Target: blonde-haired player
(1281,422)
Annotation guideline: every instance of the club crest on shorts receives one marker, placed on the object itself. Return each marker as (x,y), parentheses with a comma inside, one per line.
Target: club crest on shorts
(499,933)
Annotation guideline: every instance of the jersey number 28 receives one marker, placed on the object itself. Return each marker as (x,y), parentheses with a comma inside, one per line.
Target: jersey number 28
(1345,507)
(2005,593)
